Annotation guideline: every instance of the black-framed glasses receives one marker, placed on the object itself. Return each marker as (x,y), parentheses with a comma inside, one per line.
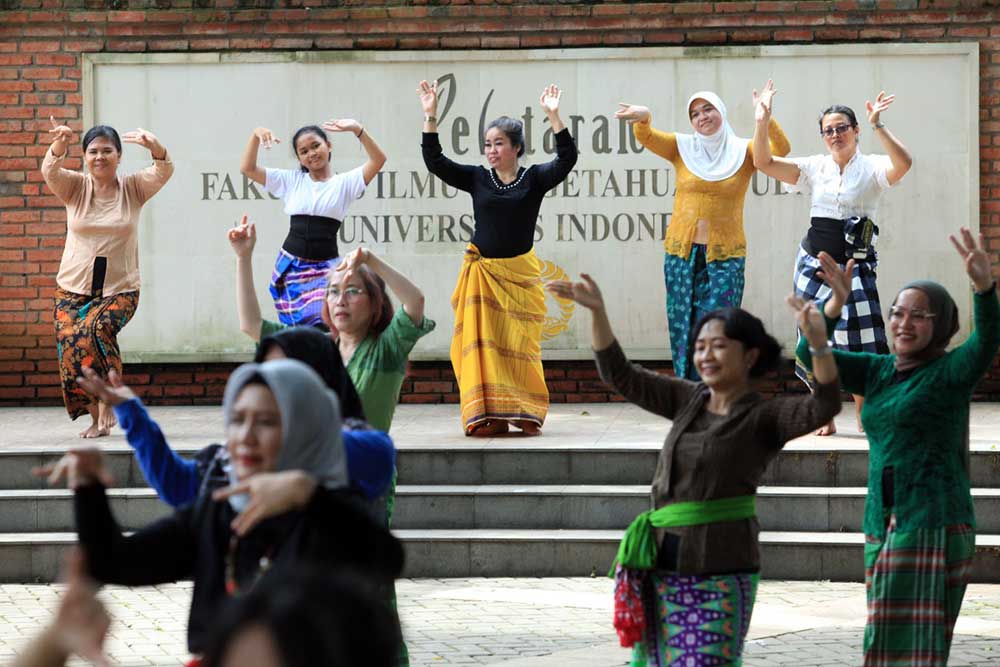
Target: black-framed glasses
(917,315)
(830,132)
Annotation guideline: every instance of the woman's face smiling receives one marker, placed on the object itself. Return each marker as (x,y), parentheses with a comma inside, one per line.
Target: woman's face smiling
(722,362)
(313,152)
(254,436)
(102,158)
(500,153)
(705,118)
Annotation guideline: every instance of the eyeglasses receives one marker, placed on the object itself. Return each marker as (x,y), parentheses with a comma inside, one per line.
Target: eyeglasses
(352,293)
(831,131)
(917,315)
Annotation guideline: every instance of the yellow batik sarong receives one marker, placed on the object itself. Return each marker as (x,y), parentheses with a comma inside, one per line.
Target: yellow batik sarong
(496,350)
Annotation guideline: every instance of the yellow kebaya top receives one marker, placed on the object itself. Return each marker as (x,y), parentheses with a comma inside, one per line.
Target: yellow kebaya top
(719,202)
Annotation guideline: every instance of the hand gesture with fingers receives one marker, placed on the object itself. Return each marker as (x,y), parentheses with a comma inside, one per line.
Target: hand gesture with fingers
(633,113)
(428,94)
(809,320)
(266,137)
(113,392)
(270,494)
(585,293)
(243,238)
(351,262)
(839,279)
(978,265)
(882,102)
(147,140)
(342,125)
(762,101)
(79,467)
(81,623)
(59,132)
(549,99)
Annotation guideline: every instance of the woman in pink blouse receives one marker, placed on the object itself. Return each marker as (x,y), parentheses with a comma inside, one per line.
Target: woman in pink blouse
(97,287)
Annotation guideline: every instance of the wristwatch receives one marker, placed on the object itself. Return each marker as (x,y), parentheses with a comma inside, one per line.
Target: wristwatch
(430,119)
(878,126)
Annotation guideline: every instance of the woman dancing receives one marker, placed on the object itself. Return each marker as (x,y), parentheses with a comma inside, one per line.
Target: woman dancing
(705,248)
(499,303)
(317,201)
(845,187)
(98,281)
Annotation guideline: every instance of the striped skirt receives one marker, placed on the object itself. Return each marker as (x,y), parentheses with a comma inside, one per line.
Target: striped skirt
(695,620)
(915,582)
(87,337)
(298,288)
(496,348)
(861,327)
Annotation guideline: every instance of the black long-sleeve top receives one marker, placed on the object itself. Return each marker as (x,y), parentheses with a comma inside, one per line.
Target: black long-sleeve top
(333,531)
(505,215)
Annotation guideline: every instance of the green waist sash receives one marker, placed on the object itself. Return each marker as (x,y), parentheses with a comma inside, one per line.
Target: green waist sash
(638,548)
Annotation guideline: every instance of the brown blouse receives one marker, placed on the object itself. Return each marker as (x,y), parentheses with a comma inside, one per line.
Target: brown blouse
(708,456)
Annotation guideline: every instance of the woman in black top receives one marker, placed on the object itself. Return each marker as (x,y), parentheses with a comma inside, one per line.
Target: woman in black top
(499,302)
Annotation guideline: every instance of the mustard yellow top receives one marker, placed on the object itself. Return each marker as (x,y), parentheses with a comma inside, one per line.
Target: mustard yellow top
(719,202)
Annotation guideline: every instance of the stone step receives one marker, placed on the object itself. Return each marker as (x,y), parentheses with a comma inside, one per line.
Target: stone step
(799,464)
(523,507)
(36,557)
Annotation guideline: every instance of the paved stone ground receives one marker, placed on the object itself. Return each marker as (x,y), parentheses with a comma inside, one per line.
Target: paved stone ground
(525,623)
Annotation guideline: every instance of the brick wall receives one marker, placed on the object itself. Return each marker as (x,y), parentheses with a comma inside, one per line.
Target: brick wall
(41,42)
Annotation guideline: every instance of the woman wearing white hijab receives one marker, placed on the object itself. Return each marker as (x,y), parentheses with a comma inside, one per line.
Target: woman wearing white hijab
(705,248)
(277,502)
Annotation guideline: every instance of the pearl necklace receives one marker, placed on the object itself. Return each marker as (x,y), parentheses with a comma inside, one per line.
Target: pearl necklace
(500,186)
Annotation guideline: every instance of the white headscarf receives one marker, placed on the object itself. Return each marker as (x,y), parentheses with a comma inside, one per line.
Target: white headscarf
(715,157)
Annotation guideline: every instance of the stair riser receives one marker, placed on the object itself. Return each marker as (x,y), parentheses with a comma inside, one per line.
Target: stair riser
(791,468)
(520,511)
(463,558)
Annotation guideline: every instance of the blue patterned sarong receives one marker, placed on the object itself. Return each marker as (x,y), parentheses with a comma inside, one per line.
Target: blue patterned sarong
(696,287)
(298,287)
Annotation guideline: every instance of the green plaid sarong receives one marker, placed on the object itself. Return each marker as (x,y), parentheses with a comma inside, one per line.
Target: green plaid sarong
(915,582)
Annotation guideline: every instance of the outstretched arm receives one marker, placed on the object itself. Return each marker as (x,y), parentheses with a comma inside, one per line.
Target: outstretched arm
(248,164)
(898,155)
(554,172)
(376,158)
(783,169)
(456,175)
(973,357)
(242,238)
(662,143)
(408,293)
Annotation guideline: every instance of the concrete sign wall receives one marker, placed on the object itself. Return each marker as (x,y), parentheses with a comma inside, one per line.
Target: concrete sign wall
(608,218)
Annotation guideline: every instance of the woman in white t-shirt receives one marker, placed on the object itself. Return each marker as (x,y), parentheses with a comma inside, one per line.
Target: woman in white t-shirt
(845,187)
(317,201)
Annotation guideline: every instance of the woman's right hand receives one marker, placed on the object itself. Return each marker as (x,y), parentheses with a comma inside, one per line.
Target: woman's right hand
(428,93)
(113,392)
(633,113)
(809,320)
(839,280)
(243,238)
(81,624)
(60,133)
(265,137)
(585,293)
(80,467)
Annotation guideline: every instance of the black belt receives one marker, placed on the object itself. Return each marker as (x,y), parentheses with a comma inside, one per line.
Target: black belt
(851,238)
(312,237)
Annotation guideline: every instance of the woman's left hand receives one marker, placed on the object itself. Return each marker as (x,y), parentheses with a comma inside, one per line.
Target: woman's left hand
(977,263)
(350,263)
(882,102)
(271,494)
(342,125)
(146,139)
(762,101)
(550,99)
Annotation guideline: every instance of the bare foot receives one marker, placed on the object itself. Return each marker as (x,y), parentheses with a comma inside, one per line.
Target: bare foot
(829,429)
(94,431)
(107,419)
(489,428)
(528,427)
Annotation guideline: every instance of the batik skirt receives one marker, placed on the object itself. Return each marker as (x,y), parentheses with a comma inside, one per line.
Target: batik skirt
(915,582)
(696,287)
(695,620)
(496,347)
(861,327)
(87,337)
(298,288)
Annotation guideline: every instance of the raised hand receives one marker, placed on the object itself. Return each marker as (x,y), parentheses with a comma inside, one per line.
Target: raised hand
(142,137)
(60,132)
(271,494)
(809,320)
(978,265)
(882,102)
(342,125)
(428,94)
(550,99)
(79,467)
(585,293)
(81,623)
(633,113)
(243,237)
(763,101)
(839,279)
(113,392)
(266,137)
(350,263)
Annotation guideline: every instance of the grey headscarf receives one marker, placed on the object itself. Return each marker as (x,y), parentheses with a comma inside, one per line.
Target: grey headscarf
(310,420)
(945,323)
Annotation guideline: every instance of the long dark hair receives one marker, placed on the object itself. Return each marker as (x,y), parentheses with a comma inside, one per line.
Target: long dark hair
(740,325)
(105,131)
(307,129)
